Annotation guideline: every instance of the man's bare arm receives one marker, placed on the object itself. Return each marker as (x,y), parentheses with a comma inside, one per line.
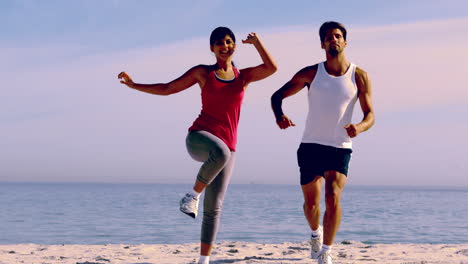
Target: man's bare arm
(365,99)
(301,79)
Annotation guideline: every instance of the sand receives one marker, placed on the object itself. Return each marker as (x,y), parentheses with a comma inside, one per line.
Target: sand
(232,252)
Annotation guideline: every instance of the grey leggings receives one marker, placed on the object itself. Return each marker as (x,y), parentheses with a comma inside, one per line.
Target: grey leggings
(216,171)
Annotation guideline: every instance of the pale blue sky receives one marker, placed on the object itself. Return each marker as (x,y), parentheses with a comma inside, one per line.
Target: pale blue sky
(115,24)
(64,116)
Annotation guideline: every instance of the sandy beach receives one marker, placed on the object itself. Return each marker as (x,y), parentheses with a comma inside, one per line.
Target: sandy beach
(347,252)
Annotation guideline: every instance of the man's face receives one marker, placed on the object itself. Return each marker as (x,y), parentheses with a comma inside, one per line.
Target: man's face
(334,42)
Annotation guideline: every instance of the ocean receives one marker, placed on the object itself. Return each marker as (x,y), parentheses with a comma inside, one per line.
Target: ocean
(90,213)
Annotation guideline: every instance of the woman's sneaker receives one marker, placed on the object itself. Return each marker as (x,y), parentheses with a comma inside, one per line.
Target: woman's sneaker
(316,244)
(189,205)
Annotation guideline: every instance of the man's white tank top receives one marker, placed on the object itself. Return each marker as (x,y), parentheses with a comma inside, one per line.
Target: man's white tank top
(331,103)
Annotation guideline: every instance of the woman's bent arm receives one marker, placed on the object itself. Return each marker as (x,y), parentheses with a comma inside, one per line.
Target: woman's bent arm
(261,71)
(188,79)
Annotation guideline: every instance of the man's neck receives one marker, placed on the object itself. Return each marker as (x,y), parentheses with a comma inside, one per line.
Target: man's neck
(336,66)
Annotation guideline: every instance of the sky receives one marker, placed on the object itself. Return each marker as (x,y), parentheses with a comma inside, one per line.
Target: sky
(64,116)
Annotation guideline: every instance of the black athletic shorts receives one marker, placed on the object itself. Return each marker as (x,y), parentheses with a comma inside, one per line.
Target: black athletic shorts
(314,159)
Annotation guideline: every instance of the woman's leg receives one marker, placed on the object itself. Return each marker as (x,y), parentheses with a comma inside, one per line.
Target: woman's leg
(212,205)
(214,153)
(209,149)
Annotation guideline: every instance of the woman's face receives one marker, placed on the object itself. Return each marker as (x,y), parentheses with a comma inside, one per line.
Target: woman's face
(224,48)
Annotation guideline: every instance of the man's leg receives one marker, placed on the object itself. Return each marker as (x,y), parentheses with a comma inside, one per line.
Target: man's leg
(334,185)
(311,192)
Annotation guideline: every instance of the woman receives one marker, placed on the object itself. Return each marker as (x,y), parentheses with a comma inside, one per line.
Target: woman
(213,136)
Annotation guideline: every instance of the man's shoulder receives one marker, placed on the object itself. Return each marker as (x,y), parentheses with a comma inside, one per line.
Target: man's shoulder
(306,75)
(312,69)
(360,72)
(361,77)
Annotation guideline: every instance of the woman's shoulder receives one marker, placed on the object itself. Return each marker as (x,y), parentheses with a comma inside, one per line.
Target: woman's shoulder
(202,68)
(201,71)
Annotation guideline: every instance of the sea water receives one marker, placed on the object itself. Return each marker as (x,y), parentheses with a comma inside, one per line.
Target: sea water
(90,213)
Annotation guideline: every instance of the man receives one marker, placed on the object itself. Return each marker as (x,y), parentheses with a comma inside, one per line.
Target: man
(324,154)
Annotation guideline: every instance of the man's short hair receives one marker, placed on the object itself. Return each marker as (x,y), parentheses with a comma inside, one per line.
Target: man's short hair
(331,25)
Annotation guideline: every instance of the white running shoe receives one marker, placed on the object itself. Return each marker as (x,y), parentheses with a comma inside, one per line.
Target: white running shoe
(189,205)
(206,261)
(316,244)
(325,258)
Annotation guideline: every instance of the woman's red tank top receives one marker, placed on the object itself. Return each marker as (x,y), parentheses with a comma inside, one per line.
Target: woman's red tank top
(221,106)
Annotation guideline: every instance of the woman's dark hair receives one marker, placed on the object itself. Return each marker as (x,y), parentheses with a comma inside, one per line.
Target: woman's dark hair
(219,33)
(331,25)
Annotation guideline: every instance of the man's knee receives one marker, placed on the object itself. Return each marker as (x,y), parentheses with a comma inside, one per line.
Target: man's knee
(312,192)
(333,196)
(334,185)
(311,205)
(312,201)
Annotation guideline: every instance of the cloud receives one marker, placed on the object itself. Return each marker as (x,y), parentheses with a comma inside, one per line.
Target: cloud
(69,119)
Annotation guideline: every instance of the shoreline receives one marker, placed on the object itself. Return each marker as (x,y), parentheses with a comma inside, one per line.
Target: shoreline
(347,252)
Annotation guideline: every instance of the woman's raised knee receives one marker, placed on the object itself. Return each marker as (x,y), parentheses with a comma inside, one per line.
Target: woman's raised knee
(220,154)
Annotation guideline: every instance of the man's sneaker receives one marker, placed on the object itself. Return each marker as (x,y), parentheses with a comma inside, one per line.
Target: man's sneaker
(325,258)
(316,243)
(204,262)
(189,205)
